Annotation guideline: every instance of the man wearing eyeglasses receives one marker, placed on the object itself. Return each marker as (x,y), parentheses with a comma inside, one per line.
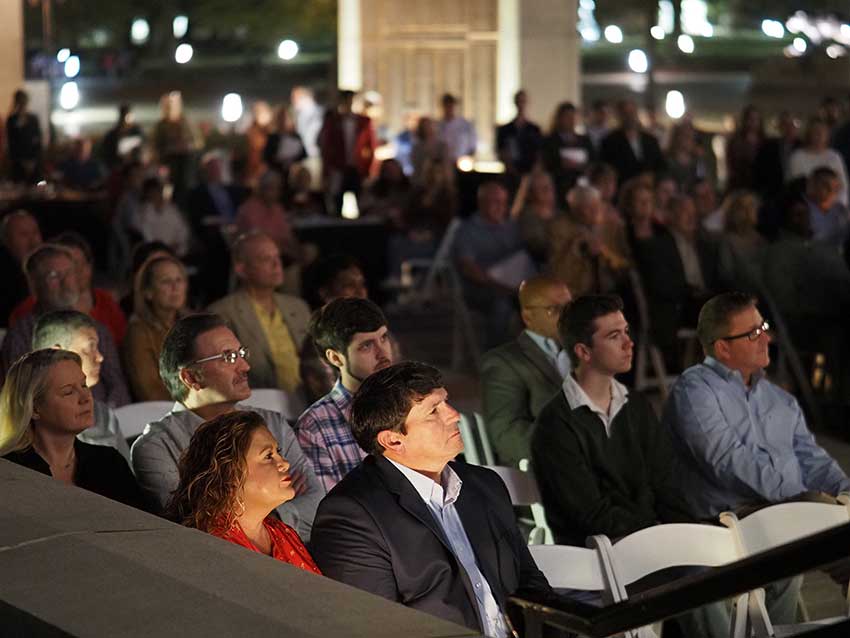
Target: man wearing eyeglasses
(205,369)
(519,378)
(744,440)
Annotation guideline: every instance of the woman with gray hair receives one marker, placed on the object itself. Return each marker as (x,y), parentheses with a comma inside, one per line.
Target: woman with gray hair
(45,403)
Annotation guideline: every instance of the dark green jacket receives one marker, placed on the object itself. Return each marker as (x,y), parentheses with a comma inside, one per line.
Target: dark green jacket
(517,380)
(591,484)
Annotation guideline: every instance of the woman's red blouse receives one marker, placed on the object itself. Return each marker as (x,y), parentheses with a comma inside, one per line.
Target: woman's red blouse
(286,544)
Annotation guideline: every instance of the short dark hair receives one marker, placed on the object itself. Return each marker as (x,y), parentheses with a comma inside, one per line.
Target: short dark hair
(333,325)
(385,399)
(151,185)
(178,349)
(577,322)
(73,239)
(57,327)
(322,273)
(714,316)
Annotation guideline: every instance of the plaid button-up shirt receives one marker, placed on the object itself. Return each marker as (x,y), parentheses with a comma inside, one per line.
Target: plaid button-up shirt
(326,438)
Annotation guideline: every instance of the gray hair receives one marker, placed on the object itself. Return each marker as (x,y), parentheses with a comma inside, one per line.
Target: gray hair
(58,327)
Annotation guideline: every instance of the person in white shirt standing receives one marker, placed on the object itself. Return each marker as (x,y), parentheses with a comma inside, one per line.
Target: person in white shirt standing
(456,132)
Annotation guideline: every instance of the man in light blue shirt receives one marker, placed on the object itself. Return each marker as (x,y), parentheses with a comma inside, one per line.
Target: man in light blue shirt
(744,440)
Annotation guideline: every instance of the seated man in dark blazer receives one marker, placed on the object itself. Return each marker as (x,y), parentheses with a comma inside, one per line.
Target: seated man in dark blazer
(680,272)
(519,378)
(412,526)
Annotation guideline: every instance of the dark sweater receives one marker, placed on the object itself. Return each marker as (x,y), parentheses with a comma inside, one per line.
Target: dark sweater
(100,469)
(592,484)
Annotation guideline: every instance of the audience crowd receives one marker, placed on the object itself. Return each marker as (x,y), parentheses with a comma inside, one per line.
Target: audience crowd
(603,236)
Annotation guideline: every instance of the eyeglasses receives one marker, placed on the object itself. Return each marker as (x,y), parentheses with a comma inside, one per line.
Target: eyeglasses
(228,356)
(552,311)
(752,335)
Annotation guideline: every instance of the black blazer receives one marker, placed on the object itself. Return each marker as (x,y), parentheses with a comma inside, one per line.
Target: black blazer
(616,151)
(374,531)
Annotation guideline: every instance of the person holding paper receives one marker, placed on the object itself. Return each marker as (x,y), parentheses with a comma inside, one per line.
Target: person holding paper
(488,248)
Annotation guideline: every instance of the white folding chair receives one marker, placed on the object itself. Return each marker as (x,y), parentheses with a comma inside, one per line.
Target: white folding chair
(663,546)
(470,445)
(484,439)
(289,405)
(777,525)
(133,417)
(524,492)
(567,567)
(538,512)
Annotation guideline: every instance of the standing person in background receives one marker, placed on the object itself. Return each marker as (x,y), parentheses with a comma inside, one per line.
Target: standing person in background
(456,132)
(565,152)
(174,143)
(121,139)
(518,142)
(347,144)
(742,147)
(284,147)
(596,124)
(159,294)
(308,118)
(630,149)
(23,141)
(255,138)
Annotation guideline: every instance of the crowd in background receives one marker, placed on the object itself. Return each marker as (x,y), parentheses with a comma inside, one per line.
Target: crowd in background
(596,204)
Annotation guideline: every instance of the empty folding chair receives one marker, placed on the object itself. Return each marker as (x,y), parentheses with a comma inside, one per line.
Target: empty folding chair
(777,525)
(523,491)
(484,439)
(133,417)
(470,445)
(653,549)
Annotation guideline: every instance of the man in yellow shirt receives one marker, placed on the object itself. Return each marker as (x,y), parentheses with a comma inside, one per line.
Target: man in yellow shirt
(273,326)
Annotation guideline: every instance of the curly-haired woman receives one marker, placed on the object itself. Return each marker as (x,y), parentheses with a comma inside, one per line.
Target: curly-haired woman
(232,477)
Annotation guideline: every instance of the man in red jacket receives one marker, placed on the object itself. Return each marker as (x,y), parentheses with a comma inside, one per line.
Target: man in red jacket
(347,145)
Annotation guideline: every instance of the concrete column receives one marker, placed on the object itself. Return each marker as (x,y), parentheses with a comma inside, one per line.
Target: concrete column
(350,46)
(11,51)
(508,62)
(549,55)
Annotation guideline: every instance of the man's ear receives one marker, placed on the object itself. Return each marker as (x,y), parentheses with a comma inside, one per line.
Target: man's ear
(582,352)
(390,441)
(191,379)
(336,359)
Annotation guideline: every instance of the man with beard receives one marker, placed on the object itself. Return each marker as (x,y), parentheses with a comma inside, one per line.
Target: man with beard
(352,335)
(205,369)
(55,283)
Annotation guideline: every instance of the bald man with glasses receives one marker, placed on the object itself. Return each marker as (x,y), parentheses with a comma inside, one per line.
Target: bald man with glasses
(205,369)
(521,376)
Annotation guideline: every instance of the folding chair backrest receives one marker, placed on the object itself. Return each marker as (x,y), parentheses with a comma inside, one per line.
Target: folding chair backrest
(289,405)
(442,258)
(784,523)
(521,486)
(541,534)
(470,445)
(133,417)
(484,438)
(661,546)
(570,567)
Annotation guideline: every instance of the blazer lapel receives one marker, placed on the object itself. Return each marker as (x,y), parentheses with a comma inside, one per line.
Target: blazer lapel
(251,328)
(410,501)
(537,357)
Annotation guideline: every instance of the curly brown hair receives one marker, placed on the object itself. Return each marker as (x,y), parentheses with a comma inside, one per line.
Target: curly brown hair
(212,472)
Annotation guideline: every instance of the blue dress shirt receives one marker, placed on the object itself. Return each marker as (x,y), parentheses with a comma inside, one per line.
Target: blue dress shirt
(440,499)
(743,445)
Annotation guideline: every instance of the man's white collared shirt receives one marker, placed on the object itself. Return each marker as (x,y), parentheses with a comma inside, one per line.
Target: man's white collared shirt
(577,397)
